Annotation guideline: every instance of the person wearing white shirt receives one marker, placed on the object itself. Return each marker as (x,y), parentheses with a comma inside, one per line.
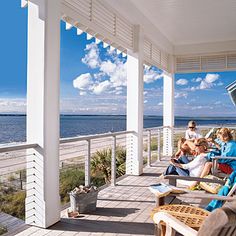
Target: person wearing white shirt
(184,167)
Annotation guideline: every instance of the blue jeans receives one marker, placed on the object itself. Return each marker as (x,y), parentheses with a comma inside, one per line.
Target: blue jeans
(174,170)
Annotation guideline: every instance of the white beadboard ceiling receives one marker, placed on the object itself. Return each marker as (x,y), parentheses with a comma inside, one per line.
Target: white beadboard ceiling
(176,24)
(191,21)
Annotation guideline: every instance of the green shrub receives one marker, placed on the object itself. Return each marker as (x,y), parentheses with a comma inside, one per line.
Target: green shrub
(3,229)
(97,181)
(13,201)
(153,145)
(13,204)
(11,178)
(69,179)
(101,163)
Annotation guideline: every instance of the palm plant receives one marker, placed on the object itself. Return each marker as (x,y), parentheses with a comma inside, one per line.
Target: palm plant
(101,163)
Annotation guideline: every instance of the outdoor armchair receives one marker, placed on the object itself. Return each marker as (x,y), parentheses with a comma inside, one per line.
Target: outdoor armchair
(224,216)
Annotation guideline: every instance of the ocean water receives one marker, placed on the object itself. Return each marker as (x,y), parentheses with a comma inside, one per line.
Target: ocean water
(13,127)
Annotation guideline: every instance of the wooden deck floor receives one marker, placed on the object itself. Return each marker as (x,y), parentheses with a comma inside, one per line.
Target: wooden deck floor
(121,210)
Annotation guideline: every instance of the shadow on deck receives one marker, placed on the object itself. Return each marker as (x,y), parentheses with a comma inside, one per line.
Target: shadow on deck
(121,210)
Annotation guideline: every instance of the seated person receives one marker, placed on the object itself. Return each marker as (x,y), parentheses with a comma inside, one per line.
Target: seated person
(194,168)
(186,144)
(227,149)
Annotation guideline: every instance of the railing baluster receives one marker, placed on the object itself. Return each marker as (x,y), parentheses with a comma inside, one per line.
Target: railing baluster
(149,148)
(87,164)
(113,162)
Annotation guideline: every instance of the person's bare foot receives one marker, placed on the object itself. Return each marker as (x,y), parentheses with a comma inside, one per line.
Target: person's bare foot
(161,177)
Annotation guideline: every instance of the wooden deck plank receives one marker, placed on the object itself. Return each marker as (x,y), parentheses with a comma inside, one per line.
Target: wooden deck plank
(121,210)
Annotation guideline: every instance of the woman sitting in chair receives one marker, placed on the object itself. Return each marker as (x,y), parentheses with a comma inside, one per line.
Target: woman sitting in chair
(182,166)
(227,149)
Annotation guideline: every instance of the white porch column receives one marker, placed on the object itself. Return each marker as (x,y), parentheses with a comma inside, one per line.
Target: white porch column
(168,113)
(42,199)
(134,160)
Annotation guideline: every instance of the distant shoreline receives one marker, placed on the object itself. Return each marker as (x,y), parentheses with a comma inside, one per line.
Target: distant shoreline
(159,117)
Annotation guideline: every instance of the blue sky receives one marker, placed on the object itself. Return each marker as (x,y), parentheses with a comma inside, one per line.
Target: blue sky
(93,79)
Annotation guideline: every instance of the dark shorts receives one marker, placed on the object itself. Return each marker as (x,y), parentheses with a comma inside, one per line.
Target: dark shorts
(225,168)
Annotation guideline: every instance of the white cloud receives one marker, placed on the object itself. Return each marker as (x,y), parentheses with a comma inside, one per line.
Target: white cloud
(111,77)
(210,78)
(151,76)
(101,87)
(208,82)
(16,105)
(196,107)
(182,82)
(89,105)
(160,104)
(181,95)
(204,85)
(112,74)
(108,67)
(119,75)
(82,93)
(92,57)
(83,82)
(196,80)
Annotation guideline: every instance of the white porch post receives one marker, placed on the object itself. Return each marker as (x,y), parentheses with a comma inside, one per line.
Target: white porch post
(168,113)
(134,160)
(42,196)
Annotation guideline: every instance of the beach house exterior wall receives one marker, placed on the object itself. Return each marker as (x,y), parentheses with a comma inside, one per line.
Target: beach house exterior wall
(134,33)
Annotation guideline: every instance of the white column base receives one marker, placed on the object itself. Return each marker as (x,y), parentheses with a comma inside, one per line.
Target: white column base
(168,141)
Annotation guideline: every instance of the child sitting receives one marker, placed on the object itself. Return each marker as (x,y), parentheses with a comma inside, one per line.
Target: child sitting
(186,144)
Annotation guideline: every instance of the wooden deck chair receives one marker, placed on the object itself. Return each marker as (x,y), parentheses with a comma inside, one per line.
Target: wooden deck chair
(216,171)
(173,178)
(220,222)
(191,216)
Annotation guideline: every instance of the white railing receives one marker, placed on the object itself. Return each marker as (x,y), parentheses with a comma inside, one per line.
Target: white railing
(78,151)
(87,153)
(13,156)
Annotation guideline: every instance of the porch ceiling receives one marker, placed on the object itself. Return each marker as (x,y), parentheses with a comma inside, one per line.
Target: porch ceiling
(209,25)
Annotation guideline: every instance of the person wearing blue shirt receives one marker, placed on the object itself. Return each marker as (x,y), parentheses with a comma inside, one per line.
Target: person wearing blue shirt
(227,149)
